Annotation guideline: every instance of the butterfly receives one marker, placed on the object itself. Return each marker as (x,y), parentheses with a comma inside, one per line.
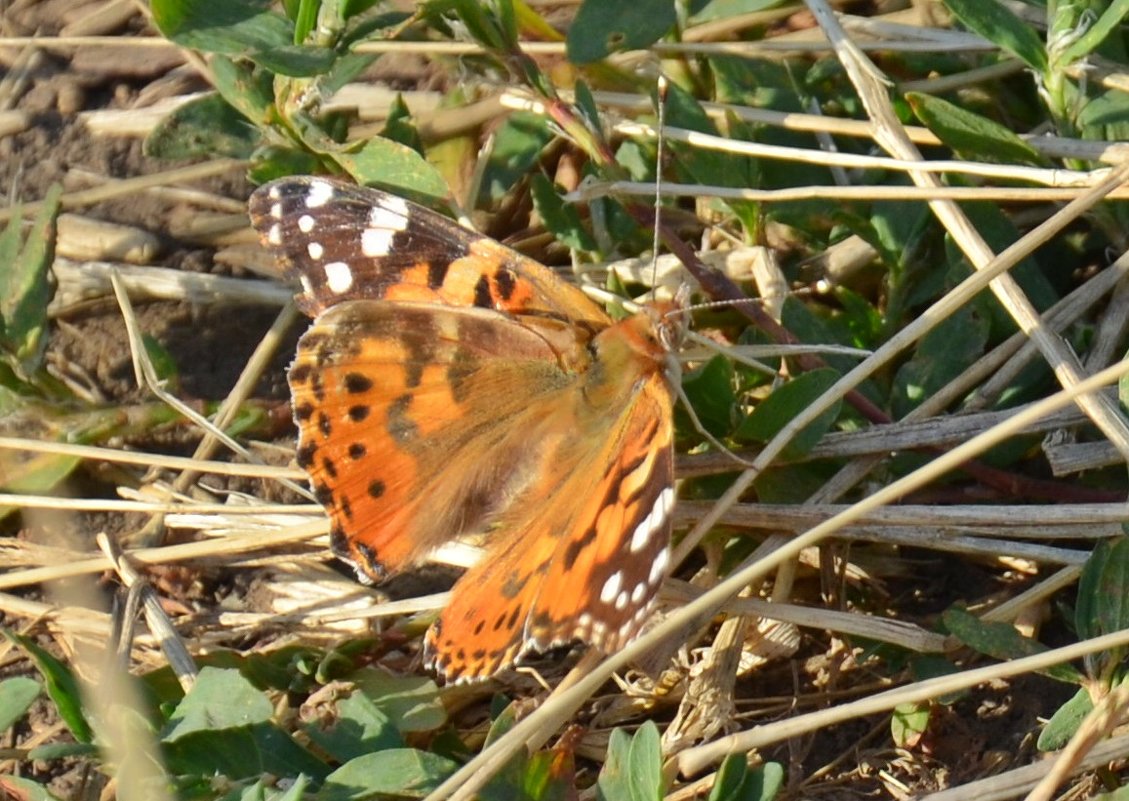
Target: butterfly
(450,386)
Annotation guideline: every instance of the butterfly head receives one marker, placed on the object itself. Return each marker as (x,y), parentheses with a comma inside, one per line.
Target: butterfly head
(671,320)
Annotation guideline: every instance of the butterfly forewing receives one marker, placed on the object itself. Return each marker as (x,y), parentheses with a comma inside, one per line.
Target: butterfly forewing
(451,386)
(345,242)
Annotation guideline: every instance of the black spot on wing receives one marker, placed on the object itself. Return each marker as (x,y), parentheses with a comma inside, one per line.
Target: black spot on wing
(359,412)
(303,411)
(505,283)
(576,546)
(299,373)
(437,274)
(356,383)
(305,454)
(482,295)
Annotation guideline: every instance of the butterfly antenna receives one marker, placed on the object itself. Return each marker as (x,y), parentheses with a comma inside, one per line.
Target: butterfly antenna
(660,153)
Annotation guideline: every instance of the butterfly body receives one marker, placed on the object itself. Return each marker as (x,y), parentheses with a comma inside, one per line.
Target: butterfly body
(450,387)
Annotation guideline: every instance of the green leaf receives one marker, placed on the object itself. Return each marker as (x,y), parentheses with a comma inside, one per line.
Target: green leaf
(735,782)
(164,363)
(492,25)
(1107,108)
(221,699)
(633,770)
(562,219)
(203,127)
(550,776)
(53,751)
(247,89)
(240,28)
(357,728)
(706,165)
(1086,603)
(394,167)
(971,135)
(709,388)
(305,20)
(908,723)
(785,402)
(1065,721)
(296,61)
(242,752)
(996,23)
(25,288)
(941,355)
(586,106)
(603,27)
(1103,590)
(1002,641)
(1093,36)
(543,776)
(27,472)
(17,694)
(517,148)
(410,702)
(278,162)
(398,772)
(62,687)
(400,127)
(504,714)
(931,666)
(231,27)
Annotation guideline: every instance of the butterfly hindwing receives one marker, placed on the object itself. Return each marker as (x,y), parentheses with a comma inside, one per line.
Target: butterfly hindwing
(583,560)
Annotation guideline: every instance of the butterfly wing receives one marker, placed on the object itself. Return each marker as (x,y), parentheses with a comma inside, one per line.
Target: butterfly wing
(346,242)
(582,553)
(419,423)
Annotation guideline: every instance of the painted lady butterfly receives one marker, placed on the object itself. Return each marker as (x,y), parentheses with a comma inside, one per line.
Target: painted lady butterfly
(450,386)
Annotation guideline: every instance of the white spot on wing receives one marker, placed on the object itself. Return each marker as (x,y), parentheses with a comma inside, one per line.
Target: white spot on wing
(376,242)
(275,193)
(638,593)
(654,521)
(319,194)
(315,250)
(274,234)
(338,277)
(392,214)
(621,601)
(641,614)
(658,568)
(611,587)
(307,287)
(276,211)
(305,223)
